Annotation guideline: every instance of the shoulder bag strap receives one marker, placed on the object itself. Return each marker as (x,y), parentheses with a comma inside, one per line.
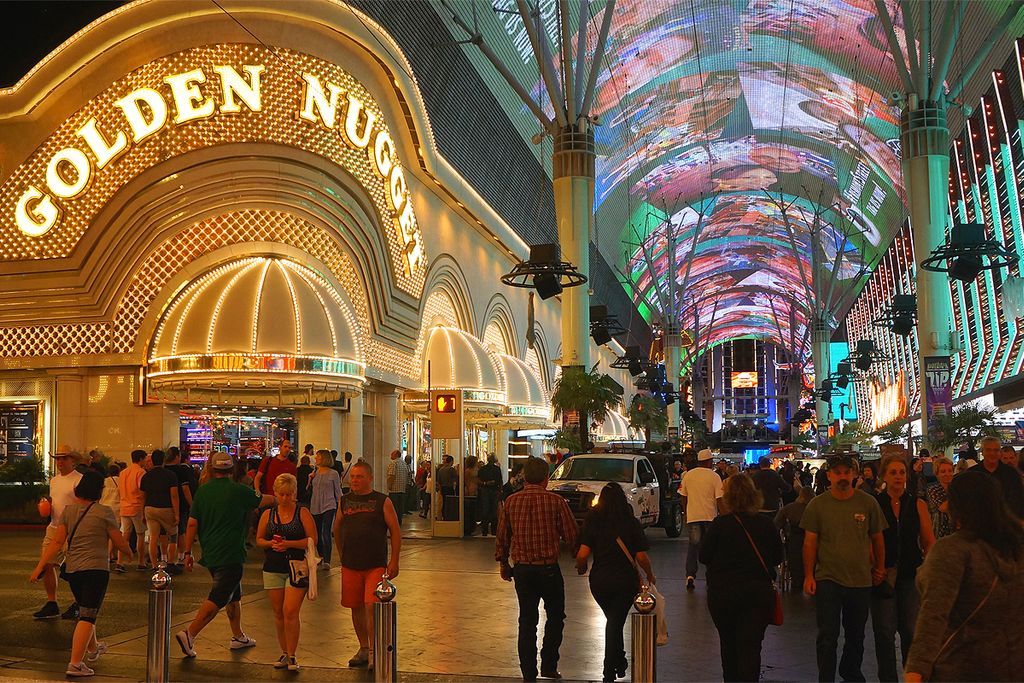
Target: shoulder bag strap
(977,609)
(629,556)
(754,546)
(71,536)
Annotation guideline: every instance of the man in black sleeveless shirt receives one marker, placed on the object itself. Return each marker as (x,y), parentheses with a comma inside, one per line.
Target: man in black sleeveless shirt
(365,520)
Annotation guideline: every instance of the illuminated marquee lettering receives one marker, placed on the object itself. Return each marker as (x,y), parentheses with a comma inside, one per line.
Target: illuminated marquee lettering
(321,107)
(147,111)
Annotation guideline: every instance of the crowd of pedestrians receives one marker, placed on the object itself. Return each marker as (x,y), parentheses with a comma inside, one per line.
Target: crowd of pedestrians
(929,551)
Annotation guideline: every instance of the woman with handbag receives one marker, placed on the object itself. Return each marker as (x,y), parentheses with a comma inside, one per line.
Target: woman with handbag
(614,537)
(325,485)
(741,550)
(283,532)
(908,538)
(87,526)
(972,591)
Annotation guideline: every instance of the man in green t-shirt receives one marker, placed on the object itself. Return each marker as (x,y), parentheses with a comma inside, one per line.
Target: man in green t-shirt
(844,556)
(220,518)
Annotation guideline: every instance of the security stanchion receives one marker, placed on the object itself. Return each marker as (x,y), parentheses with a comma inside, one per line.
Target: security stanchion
(385,633)
(158,648)
(645,635)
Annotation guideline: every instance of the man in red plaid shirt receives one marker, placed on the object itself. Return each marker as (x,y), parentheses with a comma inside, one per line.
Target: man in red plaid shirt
(532,526)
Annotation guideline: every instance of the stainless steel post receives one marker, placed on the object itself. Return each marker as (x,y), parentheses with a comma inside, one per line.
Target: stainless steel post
(645,636)
(385,633)
(158,647)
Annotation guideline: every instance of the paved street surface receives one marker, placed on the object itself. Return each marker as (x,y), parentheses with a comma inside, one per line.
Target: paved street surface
(456,621)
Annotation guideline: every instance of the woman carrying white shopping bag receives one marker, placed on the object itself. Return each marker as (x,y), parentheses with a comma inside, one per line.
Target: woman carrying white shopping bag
(614,537)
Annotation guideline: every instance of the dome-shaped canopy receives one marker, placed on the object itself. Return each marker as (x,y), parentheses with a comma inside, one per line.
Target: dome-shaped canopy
(254,321)
(458,360)
(526,395)
(614,428)
(258,305)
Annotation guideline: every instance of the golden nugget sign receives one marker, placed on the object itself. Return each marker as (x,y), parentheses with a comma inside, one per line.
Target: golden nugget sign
(200,94)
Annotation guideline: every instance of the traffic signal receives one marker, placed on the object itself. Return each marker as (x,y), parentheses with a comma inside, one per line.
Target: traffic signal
(445,403)
(446,419)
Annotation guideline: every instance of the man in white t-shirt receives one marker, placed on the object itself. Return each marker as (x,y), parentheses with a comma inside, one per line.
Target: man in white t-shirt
(62,492)
(701,491)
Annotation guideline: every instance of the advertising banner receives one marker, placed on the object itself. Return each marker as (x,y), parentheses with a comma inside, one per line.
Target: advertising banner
(938,389)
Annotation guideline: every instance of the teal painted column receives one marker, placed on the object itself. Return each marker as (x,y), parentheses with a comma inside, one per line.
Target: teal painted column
(820,337)
(925,145)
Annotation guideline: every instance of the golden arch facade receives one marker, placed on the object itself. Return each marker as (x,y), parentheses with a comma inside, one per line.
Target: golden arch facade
(145,157)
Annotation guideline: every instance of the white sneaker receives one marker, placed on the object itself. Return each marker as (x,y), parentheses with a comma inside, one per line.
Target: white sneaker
(79,670)
(292,664)
(92,656)
(186,642)
(242,643)
(282,662)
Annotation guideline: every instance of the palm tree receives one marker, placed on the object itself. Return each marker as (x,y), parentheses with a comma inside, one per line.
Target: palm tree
(648,414)
(589,394)
(965,424)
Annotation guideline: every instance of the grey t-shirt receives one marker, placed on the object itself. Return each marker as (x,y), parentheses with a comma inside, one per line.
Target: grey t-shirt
(844,529)
(89,546)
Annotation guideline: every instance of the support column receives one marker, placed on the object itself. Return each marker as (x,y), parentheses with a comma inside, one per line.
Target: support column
(390,429)
(352,428)
(925,145)
(673,350)
(68,401)
(573,170)
(501,450)
(820,352)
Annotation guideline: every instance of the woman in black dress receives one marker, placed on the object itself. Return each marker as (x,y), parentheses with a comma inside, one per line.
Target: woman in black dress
(740,594)
(614,578)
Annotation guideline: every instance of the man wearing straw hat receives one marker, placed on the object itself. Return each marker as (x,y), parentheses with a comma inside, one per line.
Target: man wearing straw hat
(62,491)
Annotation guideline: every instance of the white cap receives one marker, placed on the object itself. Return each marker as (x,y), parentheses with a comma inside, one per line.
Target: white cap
(705,455)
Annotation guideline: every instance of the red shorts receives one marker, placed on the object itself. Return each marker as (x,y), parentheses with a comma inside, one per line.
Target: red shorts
(358,585)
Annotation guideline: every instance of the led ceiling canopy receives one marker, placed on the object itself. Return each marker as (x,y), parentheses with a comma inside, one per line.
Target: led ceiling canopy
(744,131)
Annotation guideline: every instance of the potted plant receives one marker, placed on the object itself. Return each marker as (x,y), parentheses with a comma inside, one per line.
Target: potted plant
(590,395)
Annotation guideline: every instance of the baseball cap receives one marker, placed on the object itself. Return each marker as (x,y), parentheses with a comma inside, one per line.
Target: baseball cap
(842,461)
(705,454)
(221,461)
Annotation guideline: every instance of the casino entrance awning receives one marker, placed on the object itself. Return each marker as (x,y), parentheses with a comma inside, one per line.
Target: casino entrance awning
(528,404)
(453,359)
(615,428)
(259,331)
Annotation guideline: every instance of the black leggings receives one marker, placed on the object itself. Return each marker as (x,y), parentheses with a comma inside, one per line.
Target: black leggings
(614,595)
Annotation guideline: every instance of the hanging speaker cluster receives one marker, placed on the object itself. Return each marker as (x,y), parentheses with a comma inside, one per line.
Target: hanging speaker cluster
(544,271)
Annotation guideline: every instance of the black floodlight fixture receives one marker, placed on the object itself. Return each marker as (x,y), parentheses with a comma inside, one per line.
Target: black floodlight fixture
(632,361)
(968,253)
(900,315)
(545,271)
(843,381)
(604,325)
(865,348)
(827,390)
(866,354)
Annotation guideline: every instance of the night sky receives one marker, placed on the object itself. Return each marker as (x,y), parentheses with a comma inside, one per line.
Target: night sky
(31,30)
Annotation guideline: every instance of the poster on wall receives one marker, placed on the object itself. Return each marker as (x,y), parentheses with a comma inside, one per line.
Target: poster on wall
(938,389)
(17,431)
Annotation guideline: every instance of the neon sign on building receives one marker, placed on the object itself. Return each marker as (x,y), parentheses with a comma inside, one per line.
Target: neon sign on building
(888,402)
(54,182)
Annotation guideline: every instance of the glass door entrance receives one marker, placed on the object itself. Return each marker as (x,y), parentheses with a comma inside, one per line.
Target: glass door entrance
(244,433)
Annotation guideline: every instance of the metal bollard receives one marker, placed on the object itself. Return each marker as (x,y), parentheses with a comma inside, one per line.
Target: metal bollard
(385,633)
(645,636)
(158,644)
